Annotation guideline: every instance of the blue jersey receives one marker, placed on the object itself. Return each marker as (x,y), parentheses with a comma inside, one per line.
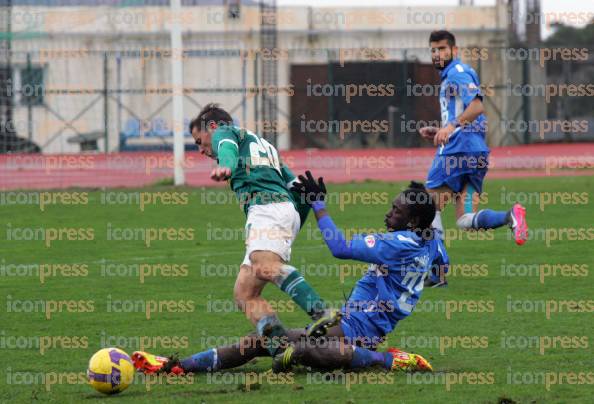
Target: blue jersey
(459,87)
(390,289)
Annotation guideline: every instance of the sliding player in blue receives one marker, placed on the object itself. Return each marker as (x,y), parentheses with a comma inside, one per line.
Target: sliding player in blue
(461,160)
(399,259)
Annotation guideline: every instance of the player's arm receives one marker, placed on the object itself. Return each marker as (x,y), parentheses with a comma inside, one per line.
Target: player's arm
(359,248)
(471,97)
(366,248)
(472,111)
(226,149)
(335,240)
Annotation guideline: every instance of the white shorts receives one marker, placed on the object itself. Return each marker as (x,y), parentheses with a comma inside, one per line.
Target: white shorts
(271,227)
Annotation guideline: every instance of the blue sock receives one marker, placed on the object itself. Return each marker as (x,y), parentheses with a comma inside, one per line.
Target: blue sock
(490,219)
(364,358)
(204,361)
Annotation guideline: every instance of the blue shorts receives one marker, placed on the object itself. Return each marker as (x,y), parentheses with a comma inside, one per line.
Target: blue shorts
(359,332)
(365,328)
(457,170)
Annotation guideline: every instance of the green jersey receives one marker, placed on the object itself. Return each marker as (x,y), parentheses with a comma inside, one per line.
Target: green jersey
(258,176)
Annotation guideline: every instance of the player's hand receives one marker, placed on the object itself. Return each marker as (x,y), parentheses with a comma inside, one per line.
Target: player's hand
(308,187)
(220,174)
(428,132)
(443,135)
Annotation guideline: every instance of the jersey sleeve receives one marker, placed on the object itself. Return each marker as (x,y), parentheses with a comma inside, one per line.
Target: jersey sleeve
(224,135)
(225,147)
(228,156)
(465,85)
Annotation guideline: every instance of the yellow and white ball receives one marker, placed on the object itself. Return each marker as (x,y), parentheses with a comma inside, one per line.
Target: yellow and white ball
(110,371)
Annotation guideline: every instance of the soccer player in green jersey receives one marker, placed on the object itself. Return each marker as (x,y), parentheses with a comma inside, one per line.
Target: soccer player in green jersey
(261,182)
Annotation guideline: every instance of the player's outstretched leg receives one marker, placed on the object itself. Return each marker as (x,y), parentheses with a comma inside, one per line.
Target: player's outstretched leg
(290,281)
(224,357)
(485,219)
(335,354)
(270,267)
(247,294)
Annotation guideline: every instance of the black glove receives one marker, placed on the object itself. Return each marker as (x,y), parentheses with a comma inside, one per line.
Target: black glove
(309,189)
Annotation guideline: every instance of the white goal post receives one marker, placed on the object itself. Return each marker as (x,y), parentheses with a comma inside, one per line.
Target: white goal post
(177,92)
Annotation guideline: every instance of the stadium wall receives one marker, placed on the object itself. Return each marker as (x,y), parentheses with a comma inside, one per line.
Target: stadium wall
(120,53)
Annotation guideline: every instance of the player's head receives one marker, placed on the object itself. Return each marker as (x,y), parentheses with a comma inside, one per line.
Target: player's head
(413,209)
(205,124)
(443,48)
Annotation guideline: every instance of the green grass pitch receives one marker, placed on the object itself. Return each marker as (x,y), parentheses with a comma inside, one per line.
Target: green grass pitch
(515,322)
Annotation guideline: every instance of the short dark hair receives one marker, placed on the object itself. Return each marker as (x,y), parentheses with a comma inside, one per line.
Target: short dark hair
(443,34)
(421,204)
(211,113)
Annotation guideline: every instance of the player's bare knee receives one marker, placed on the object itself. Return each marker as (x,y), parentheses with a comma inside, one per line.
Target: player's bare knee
(261,271)
(265,265)
(246,270)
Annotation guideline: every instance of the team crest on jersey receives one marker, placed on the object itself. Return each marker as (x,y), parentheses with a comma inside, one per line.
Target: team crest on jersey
(370,241)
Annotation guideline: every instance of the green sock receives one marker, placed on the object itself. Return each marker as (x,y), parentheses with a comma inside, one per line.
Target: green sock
(295,285)
(271,328)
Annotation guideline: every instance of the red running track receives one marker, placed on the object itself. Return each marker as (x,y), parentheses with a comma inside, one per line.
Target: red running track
(30,171)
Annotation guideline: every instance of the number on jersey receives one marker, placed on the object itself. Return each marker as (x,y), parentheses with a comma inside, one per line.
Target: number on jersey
(413,282)
(263,153)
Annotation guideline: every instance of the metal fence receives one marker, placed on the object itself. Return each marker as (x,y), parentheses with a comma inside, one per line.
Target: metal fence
(75,99)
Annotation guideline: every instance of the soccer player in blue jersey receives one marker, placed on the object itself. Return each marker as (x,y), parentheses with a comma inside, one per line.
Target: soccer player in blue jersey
(399,259)
(461,160)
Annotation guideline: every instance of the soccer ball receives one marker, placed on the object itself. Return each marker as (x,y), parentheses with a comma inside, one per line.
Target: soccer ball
(110,371)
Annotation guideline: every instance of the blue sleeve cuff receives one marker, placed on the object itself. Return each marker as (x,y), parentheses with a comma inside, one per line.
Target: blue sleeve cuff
(318,205)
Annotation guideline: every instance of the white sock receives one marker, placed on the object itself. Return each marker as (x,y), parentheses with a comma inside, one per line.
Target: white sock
(436,224)
(466,221)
